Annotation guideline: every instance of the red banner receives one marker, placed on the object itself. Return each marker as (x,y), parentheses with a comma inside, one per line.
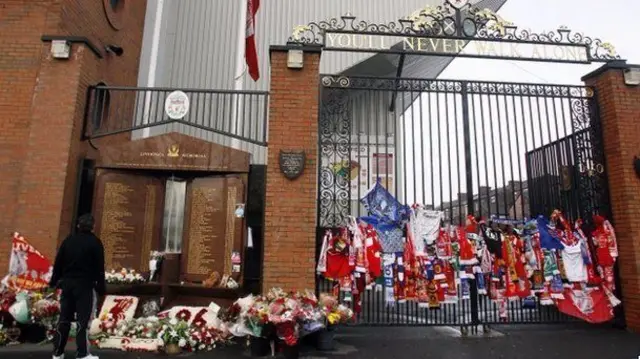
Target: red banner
(28,268)
(592,306)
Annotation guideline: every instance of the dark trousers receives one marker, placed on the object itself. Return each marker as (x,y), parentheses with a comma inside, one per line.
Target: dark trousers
(77,299)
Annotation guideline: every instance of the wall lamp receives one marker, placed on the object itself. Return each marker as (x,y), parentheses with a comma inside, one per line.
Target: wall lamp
(113,49)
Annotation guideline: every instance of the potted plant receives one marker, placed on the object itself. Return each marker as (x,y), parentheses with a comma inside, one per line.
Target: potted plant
(174,336)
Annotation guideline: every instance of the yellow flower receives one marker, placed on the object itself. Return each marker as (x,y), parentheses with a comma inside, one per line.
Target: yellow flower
(333,318)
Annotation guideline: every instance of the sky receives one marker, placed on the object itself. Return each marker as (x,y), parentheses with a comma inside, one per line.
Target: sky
(614,21)
(505,128)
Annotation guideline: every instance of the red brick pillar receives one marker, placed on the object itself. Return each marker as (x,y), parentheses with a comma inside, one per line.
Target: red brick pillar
(290,210)
(620,115)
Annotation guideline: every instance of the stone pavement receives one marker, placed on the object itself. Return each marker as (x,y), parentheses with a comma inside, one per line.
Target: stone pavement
(508,342)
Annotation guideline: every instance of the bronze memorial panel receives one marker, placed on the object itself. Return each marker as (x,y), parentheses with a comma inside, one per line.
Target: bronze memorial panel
(127,209)
(211,229)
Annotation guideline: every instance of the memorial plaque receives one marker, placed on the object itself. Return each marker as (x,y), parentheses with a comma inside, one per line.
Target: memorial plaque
(292,163)
(174,151)
(235,248)
(126,211)
(212,231)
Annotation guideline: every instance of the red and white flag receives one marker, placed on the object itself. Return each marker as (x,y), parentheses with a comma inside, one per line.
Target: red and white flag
(593,306)
(28,268)
(250,52)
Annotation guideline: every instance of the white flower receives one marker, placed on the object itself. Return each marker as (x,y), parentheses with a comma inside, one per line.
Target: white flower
(173,321)
(202,346)
(182,343)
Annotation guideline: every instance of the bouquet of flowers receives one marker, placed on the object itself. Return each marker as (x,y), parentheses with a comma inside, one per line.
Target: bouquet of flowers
(334,312)
(45,312)
(124,276)
(7,298)
(204,338)
(257,317)
(175,332)
(143,328)
(311,314)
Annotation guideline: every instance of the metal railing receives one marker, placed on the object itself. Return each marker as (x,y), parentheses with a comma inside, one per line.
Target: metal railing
(240,115)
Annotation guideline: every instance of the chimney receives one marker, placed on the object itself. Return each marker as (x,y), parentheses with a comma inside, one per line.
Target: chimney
(462,197)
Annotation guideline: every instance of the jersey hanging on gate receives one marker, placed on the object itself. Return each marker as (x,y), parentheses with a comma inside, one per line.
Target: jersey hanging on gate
(383,206)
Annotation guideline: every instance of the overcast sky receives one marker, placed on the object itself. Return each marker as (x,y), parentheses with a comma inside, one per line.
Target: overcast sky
(614,21)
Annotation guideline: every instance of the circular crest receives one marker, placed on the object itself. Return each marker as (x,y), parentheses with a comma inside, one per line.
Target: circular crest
(176,106)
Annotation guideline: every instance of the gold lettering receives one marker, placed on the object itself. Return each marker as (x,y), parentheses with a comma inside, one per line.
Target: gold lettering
(435,44)
(344,40)
(545,53)
(422,44)
(558,51)
(383,46)
(358,44)
(536,52)
(486,48)
(407,43)
(460,45)
(447,45)
(571,53)
(515,52)
(332,39)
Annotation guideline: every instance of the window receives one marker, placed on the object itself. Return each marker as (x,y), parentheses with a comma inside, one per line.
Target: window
(173,221)
(493,199)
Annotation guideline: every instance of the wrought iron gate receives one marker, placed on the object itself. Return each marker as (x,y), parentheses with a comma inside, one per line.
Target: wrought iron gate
(487,148)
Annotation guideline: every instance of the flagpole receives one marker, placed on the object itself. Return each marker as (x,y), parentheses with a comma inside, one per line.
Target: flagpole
(239,73)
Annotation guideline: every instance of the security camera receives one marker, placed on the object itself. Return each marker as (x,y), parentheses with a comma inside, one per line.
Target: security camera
(113,49)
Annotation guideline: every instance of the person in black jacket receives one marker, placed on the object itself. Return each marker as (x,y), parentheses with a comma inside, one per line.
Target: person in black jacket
(79,272)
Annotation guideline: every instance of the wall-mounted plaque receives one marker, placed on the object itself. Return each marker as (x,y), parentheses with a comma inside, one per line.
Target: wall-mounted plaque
(212,230)
(292,163)
(127,210)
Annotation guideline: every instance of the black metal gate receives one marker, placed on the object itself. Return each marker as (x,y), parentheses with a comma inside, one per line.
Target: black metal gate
(486,148)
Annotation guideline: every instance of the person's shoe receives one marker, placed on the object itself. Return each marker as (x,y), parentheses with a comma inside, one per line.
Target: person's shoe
(89,356)
(58,356)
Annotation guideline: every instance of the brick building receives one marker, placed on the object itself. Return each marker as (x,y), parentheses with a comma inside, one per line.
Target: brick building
(43,103)
(46,102)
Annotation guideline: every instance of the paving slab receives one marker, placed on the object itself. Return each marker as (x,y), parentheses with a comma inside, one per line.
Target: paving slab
(501,342)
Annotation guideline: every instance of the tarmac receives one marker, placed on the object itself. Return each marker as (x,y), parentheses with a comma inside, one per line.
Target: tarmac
(575,341)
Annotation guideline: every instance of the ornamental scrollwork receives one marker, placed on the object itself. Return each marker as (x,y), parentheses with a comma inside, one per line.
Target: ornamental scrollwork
(334,149)
(446,21)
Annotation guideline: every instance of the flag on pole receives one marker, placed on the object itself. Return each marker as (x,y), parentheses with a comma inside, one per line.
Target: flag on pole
(250,52)
(28,268)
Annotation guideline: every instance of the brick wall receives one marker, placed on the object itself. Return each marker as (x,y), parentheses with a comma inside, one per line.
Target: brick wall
(620,114)
(42,101)
(290,209)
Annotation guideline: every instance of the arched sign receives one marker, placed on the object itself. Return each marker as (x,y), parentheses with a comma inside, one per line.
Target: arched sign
(457,29)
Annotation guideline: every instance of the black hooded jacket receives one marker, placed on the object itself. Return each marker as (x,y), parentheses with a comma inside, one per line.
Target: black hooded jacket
(80,260)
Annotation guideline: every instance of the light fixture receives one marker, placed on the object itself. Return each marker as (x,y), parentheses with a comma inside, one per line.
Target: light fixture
(113,49)
(60,49)
(295,59)
(632,76)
